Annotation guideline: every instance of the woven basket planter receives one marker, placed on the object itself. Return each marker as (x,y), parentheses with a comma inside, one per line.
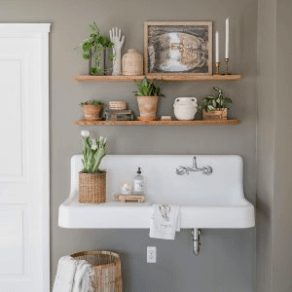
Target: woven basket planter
(92,187)
(107,269)
(218,114)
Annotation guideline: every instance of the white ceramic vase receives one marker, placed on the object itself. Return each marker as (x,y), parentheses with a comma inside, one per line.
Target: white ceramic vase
(185,108)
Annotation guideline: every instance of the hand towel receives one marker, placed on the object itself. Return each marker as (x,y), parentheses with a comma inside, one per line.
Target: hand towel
(165,221)
(73,276)
(83,277)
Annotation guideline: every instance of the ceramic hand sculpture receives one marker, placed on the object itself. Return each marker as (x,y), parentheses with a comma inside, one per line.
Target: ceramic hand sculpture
(118,40)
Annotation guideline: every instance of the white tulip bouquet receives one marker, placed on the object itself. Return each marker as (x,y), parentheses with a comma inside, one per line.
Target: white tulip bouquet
(93,151)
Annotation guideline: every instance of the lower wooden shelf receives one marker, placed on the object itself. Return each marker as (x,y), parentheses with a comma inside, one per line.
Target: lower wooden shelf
(163,77)
(157,123)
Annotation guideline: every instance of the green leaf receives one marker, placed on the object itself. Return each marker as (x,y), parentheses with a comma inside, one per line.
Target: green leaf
(211,102)
(210,108)
(147,88)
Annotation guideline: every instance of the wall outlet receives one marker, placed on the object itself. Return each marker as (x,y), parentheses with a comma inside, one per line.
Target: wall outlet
(151,254)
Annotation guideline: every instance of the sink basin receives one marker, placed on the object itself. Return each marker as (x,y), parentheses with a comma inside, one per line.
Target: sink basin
(206,201)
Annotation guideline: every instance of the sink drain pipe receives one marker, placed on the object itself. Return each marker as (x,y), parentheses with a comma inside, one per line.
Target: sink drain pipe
(196,240)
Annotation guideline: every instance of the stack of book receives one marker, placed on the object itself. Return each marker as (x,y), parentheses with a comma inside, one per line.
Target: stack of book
(118,111)
(119,115)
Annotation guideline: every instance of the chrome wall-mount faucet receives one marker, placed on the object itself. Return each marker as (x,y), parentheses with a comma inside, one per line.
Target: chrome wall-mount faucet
(207,170)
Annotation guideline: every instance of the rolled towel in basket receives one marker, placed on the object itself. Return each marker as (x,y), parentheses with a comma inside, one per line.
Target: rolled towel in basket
(73,276)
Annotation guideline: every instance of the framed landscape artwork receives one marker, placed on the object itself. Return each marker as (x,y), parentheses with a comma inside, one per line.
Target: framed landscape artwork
(178,47)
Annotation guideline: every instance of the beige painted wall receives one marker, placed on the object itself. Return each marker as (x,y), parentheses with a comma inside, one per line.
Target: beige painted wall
(265,141)
(282,222)
(227,261)
(274,196)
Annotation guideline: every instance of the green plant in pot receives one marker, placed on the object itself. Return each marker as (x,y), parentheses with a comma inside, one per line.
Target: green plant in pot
(94,49)
(92,109)
(147,96)
(92,180)
(215,107)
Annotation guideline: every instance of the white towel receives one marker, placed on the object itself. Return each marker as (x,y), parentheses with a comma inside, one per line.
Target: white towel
(73,276)
(165,221)
(83,277)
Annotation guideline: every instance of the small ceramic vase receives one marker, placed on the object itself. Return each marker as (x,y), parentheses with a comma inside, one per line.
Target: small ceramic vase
(185,108)
(132,63)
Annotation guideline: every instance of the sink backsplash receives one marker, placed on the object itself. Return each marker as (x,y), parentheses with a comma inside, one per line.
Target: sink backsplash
(164,185)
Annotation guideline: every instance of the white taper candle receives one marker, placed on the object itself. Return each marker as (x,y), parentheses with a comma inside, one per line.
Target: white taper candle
(227,38)
(217,46)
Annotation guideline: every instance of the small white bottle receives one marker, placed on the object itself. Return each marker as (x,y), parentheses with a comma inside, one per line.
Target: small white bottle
(139,183)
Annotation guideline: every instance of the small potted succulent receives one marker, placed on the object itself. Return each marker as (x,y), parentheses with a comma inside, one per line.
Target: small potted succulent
(92,180)
(95,49)
(215,107)
(147,97)
(92,109)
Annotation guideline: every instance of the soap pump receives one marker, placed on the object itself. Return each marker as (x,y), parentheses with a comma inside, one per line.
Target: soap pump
(139,183)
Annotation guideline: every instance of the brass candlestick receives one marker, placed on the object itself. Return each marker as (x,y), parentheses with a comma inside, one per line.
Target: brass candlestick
(227,66)
(217,68)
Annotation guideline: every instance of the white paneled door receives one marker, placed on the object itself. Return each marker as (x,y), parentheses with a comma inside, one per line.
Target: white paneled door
(24,158)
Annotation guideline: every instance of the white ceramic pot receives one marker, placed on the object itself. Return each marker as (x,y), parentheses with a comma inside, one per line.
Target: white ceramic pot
(185,108)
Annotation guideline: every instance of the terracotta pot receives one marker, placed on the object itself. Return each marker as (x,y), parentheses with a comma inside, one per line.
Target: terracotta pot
(92,112)
(132,63)
(147,107)
(92,187)
(218,114)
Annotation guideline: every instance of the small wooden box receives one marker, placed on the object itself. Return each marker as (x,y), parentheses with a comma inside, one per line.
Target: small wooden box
(129,198)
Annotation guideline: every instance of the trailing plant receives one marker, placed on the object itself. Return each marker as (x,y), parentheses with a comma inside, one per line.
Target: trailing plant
(215,101)
(147,88)
(93,47)
(92,102)
(93,151)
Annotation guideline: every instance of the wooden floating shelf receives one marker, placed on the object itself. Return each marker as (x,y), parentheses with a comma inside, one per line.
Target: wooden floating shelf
(157,123)
(170,77)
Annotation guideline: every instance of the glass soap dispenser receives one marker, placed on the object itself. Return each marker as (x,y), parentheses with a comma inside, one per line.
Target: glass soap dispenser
(139,183)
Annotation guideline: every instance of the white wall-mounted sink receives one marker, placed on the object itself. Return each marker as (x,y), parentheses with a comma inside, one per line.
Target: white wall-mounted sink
(207,201)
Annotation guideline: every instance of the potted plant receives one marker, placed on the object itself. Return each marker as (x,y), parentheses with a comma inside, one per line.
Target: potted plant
(215,107)
(94,50)
(147,97)
(92,109)
(92,180)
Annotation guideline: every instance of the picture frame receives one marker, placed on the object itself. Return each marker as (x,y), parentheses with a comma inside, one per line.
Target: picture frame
(178,48)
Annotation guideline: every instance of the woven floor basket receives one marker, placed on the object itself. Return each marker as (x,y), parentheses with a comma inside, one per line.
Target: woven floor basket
(107,269)
(92,187)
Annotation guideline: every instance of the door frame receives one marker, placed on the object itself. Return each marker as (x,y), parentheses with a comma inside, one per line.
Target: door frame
(41,32)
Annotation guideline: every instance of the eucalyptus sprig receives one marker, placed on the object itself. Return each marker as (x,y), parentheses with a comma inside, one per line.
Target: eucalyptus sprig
(147,88)
(93,151)
(216,101)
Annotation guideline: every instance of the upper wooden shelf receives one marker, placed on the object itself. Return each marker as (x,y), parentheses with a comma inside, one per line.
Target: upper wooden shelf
(157,123)
(170,77)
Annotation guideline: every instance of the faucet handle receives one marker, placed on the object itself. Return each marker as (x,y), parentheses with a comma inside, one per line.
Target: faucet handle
(179,171)
(208,170)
